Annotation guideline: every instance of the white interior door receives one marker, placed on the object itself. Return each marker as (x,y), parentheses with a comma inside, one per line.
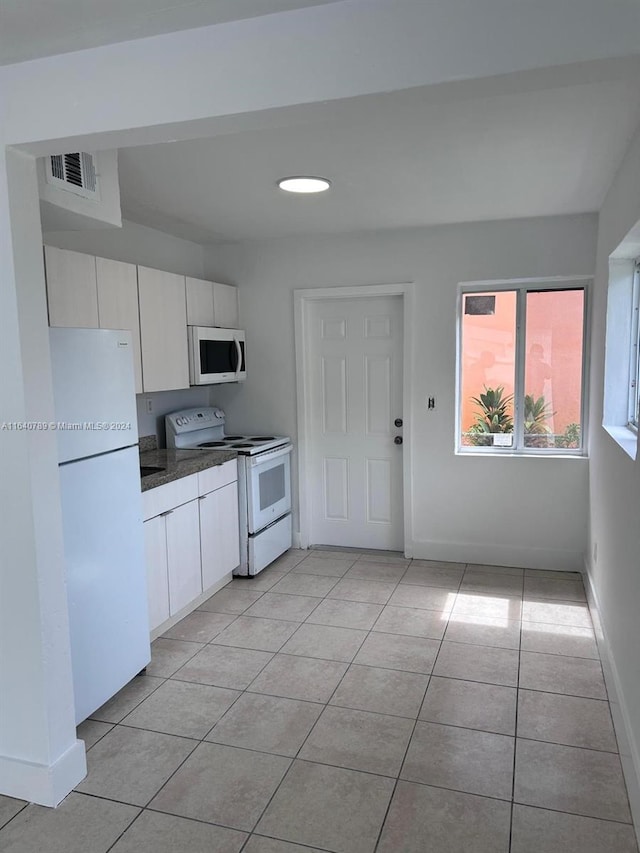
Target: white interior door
(355,372)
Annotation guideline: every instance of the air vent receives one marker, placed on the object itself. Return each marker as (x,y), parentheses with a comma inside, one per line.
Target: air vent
(74,172)
(479,304)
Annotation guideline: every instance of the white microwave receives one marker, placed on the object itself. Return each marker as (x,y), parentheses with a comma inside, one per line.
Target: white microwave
(216,355)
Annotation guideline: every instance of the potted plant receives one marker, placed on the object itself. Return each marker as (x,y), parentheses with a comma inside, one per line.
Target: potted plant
(494,415)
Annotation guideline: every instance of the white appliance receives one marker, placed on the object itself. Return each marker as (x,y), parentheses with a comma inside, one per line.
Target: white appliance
(264,481)
(95,408)
(216,355)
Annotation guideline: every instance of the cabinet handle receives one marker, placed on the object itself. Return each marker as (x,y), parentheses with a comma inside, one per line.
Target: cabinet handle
(203,497)
(168,512)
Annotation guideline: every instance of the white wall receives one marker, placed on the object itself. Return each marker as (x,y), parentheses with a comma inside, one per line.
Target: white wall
(135,244)
(522,511)
(63,209)
(147,88)
(615,489)
(163,402)
(40,758)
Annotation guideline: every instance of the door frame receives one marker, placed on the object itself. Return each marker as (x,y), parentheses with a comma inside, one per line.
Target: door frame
(302,300)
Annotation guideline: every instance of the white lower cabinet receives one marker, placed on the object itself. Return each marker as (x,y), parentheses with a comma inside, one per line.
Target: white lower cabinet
(191,538)
(183,555)
(219,534)
(155,538)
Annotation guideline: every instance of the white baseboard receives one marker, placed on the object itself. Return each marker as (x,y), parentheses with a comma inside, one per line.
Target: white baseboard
(44,784)
(627,746)
(497,555)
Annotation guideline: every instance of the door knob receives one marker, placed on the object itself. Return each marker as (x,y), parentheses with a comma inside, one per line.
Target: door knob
(398,422)
(397,439)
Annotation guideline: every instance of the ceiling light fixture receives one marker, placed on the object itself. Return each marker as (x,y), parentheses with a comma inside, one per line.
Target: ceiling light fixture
(304,184)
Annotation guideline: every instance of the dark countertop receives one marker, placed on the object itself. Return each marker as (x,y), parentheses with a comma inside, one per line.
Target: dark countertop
(180,463)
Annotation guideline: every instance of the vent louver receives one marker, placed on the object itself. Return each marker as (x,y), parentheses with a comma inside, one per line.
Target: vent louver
(74,172)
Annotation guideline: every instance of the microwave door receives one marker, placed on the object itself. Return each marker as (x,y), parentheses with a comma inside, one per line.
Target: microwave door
(217,357)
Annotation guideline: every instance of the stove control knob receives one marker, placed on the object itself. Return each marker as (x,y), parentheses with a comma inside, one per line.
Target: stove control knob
(397,439)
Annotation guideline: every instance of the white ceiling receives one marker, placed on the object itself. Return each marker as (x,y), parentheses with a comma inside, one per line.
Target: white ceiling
(35,28)
(535,143)
(474,151)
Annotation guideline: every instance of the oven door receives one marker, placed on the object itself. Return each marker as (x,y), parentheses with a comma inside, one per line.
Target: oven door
(268,487)
(216,355)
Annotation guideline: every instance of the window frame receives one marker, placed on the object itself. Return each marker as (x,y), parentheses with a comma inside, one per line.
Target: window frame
(634,352)
(521,287)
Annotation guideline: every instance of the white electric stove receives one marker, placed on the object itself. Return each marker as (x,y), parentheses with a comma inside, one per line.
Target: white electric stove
(204,428)
(264,481)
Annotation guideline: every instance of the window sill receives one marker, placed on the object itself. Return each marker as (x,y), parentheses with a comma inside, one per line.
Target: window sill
(521,454)
(625,437)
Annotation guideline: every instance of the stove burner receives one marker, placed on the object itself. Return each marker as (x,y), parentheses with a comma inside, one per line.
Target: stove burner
(262,438)
(212,444)
(243,444)
(233,437)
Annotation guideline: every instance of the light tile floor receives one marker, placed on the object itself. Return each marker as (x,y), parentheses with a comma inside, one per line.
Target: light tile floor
(354,703)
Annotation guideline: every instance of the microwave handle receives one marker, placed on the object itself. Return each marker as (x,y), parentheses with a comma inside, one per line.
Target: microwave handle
(239,356)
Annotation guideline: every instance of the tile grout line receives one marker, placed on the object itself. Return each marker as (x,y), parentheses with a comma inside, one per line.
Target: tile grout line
(415,725)
(515,739)
(165,679)
(197,741)
(295,757)
(202,740)
(367,773)
(126,829)
(326,703)
(13,817)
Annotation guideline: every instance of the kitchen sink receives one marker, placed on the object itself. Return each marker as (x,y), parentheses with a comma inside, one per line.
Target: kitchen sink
(147,470)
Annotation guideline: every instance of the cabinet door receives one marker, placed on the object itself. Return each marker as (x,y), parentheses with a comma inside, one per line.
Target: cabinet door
(199,302)
(118,304)
(219,534)
(225,306)
(72,295)
(183,555)
(155,540)
(163,330)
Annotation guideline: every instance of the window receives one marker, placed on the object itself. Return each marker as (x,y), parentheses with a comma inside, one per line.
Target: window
(634,356)
(521,368)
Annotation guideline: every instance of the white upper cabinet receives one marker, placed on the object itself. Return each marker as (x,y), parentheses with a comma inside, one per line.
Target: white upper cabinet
(72,294)
(89,293)
(118,304)
(199,302)
(225,306)
(163,330)
(210,303)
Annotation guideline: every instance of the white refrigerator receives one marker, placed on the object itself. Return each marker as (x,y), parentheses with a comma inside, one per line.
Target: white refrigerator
(97,433)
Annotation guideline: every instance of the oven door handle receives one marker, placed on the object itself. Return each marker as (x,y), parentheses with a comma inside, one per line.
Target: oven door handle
(261,458)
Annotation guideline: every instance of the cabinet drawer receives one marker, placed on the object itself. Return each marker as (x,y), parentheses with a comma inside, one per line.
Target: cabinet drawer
(163,498)
(217,477)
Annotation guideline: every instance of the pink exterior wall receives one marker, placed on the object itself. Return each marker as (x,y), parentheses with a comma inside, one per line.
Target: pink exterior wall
(553,366)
